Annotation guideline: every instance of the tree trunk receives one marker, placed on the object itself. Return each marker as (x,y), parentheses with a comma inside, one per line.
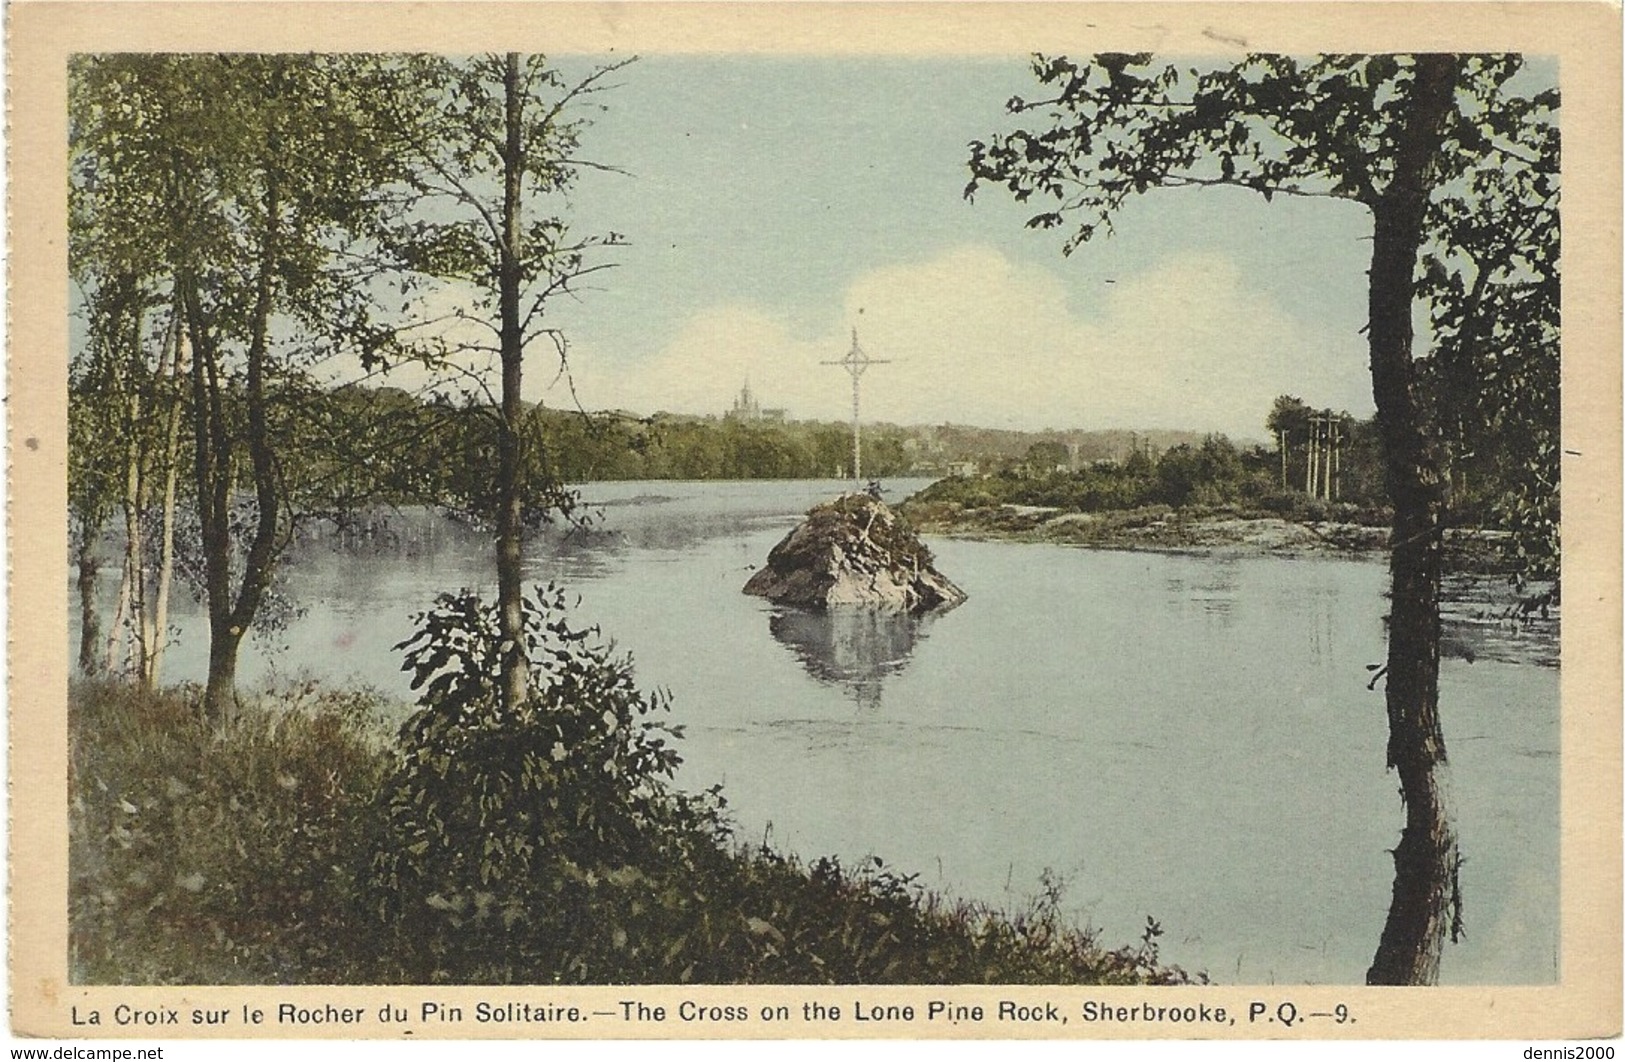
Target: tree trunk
(220,692)
(212,471)
(135,559)
(262,547)
(121,603)
(229,617)
(135,490)
(515,677)
(145,620)
(1425,900)
(166,559)
(89,627)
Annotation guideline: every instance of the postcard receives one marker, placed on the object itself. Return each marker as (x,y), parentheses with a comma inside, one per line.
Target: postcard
(815,521)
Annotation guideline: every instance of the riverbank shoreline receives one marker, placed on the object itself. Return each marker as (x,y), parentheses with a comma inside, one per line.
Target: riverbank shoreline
(1160,529)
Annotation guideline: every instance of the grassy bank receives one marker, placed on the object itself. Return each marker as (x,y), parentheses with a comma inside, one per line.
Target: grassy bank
(256,854)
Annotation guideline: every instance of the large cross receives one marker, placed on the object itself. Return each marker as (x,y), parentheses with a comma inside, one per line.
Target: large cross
(855,362)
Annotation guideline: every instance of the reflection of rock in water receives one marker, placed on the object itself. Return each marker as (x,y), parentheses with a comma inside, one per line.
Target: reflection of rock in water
(854,648)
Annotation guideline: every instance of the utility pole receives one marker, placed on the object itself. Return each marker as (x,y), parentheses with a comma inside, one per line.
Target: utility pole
(855,362)
(1311,484)
(1336,474)
(1324,470)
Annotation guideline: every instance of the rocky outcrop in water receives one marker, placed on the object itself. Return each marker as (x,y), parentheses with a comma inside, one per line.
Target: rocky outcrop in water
(854,551)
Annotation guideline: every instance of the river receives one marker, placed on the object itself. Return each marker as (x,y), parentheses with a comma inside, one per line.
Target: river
(1186,738)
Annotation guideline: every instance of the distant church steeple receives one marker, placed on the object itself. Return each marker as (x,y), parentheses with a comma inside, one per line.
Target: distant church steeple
(746,407)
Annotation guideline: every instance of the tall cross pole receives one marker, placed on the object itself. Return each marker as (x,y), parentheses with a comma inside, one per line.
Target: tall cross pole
(855,362)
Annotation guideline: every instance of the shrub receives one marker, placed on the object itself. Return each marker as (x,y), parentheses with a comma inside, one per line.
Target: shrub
(501,823)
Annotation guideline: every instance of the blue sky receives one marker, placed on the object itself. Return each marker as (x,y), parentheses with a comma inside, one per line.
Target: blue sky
(770,199)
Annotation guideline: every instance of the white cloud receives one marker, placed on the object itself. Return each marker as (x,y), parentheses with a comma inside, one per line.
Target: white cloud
(972,337)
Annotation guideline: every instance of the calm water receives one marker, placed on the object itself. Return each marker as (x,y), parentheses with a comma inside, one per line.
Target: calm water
(1187,738)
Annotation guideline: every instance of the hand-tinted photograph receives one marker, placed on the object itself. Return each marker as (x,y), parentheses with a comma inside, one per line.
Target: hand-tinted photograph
(601,519)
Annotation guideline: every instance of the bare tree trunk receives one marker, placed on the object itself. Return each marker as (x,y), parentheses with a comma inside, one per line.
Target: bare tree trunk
(133,584)
(515,677)
(1425,900)
(166,559)
(89,626)
(212,471)
(230,617)
(134,501)
(135,567)
(144,624)
(140,602)
(262,547)
(121,604)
